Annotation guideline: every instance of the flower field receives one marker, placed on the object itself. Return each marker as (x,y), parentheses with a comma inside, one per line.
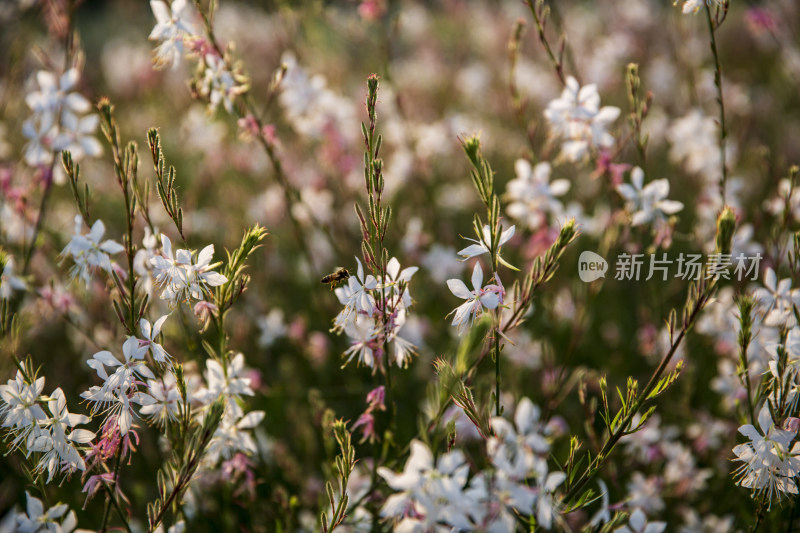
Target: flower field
(396,265)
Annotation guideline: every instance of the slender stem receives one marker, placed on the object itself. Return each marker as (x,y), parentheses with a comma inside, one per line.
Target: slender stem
(117,508)
(746,378)
(543,39)
(723,134)
(113,489)
(37,228)
(496,341)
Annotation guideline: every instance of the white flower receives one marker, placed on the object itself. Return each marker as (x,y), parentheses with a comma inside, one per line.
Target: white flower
(778,299)
(603,515)
(637,523)
(768,464)
(166,395)
(19,407)
(150,334)
(77,136)
(88,252)
(8,281)
(476,300)
(173,25)
(41,131)
(52,441)
(356,297)
(232,435)
(577,118)
(482,245)
(691,7)
(272,327)
(363,333)
(231,384)
(647,204)
(179,278)
(396,277)
(546,503)
(35,519)
(114,392)
(694,141)
(531,196)
(141,261)
(54,95)
(429,496)
(56,123)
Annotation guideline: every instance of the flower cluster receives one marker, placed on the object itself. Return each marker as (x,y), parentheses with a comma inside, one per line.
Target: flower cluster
(43,425)
(182,276)
(177,32)
(769,461)
(433,495)
(374,313)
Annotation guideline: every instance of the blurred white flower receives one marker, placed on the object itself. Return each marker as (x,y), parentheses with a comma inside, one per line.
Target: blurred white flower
(219,84)
(77,135)
(9,282)
(88,252)
(429,495)
(637,523)
(173,24)
(35,519)
(777,299)
(272,327)
(647,204)
(56,122)
(691,7)
(531,196)
(577,118)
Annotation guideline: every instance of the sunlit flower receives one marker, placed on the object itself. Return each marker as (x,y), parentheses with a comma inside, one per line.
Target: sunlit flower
(477,300)
(54,443)
(481,245)
(769,466)
(150,334)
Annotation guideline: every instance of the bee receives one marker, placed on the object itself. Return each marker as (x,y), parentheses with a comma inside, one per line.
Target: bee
(340,276)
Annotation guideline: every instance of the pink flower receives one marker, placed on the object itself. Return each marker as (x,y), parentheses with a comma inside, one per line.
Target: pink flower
(368,421)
